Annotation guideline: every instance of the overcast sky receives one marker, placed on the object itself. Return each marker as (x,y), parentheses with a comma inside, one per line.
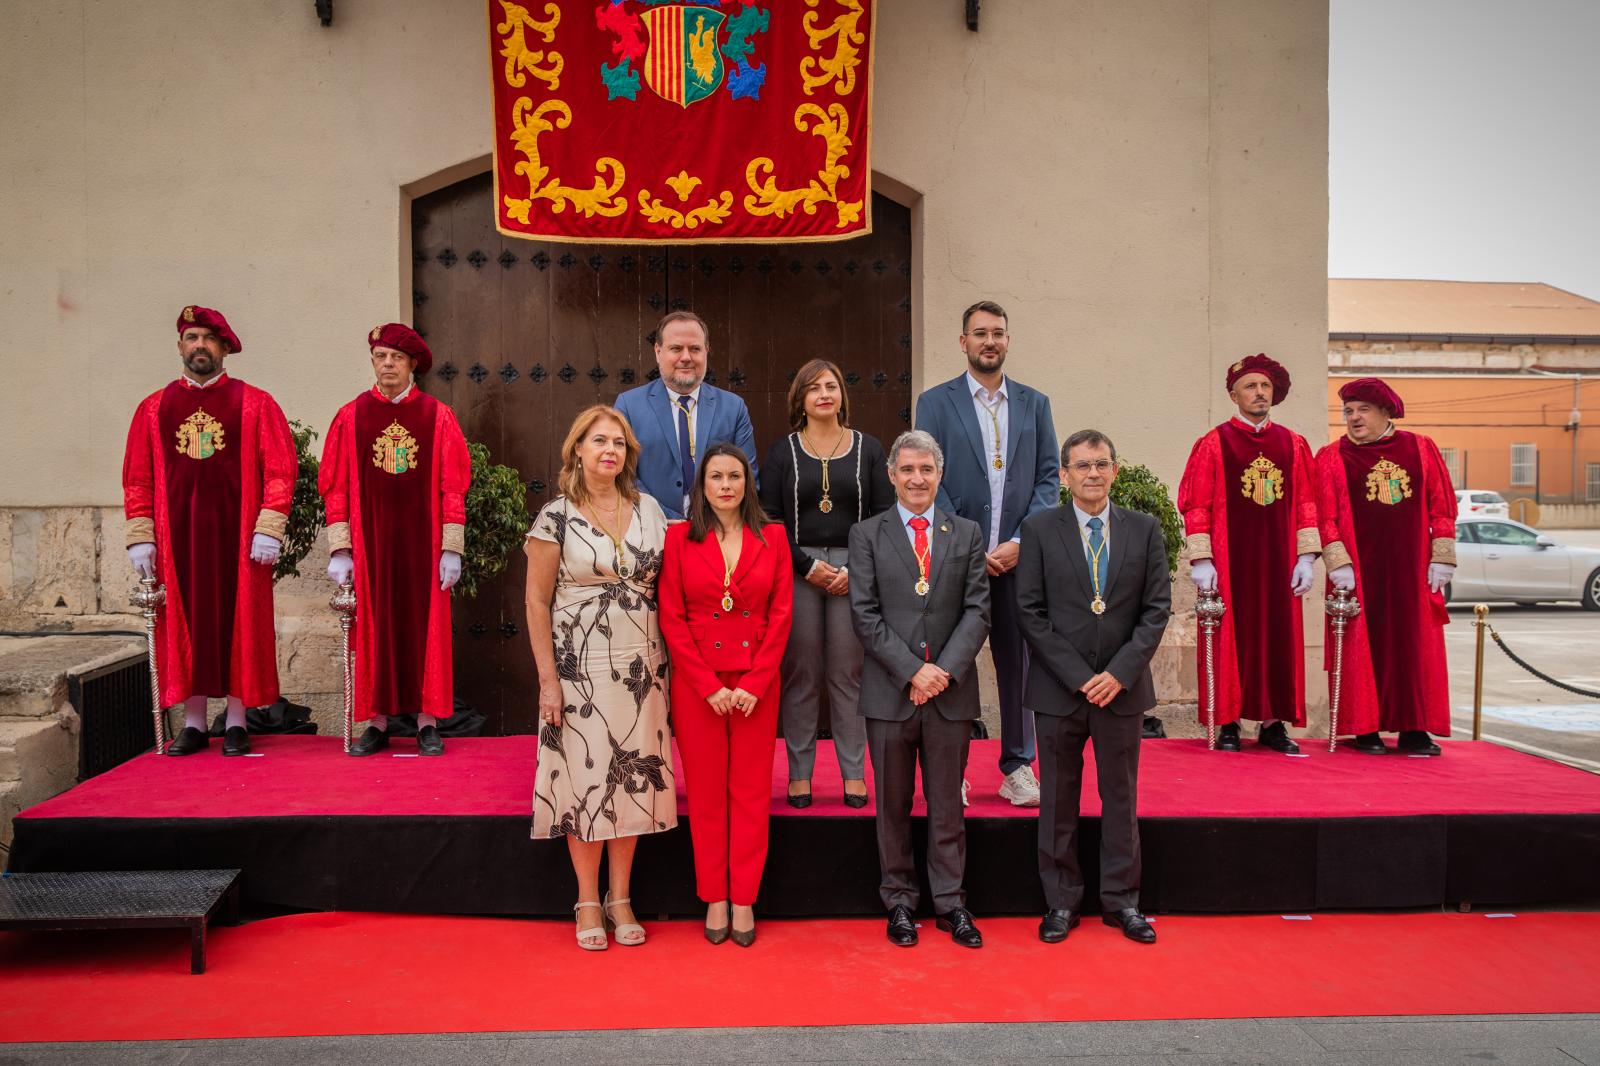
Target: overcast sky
(1464,141)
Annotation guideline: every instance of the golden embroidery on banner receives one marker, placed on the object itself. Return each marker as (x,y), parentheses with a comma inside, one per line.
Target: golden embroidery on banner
(713,211)
(841,68)
(200,436)
(601,198)
(395,450)
(1388,482)
(1261,482)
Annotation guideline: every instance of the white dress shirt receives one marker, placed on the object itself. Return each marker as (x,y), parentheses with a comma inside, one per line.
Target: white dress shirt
(403,393)
(193,384)
(677,422)
(911,534)
(983,402)
(1253,427)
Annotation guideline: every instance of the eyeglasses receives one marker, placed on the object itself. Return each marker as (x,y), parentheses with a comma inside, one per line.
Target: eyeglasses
(982,335)
(1084,466)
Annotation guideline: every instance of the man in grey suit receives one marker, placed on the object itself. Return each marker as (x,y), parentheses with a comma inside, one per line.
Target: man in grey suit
(678,416)
(919,597)
(1000,443)
(1094,594)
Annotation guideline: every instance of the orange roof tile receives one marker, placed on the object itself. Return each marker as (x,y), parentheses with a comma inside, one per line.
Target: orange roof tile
(1369,306)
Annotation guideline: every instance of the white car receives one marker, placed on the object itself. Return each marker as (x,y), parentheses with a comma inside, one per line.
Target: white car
(1498,559)
(1476,502)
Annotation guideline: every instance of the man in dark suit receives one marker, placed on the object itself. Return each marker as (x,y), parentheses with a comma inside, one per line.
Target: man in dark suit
(1094,594)
(919,597)
(1000,444)
(678,416)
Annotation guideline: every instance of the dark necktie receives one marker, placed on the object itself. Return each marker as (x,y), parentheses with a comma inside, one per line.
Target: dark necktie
(685,444)
(1097,554)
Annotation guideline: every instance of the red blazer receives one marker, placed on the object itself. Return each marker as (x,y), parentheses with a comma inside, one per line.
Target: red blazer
(706,640)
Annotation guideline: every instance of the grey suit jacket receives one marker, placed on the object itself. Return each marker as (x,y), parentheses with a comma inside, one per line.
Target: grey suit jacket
(1069,642)
(1033,474)
(895,624)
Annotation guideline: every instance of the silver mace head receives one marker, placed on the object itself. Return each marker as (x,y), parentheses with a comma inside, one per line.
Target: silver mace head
(1342,605)
(344,601)
(1209,608)
(149,595)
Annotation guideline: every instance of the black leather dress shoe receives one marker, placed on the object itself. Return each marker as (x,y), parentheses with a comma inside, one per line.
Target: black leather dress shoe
(188,741)
(902,928)
(1417,742)
(370,742)
(1275,735)
(1056,926)
(429,742)
(235,741)
(1371,744)
(1228,738)
(958,923)
(800,802)
(1132,924)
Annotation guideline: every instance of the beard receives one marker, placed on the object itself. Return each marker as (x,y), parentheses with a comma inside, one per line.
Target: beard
(200,362)
(684,379)
(985,362)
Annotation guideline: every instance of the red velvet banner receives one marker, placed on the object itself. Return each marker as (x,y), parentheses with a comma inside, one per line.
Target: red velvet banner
(717,121)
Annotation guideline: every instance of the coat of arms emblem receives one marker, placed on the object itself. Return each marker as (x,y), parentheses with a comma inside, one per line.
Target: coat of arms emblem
(200,436)
(1261,482)
(1388,482)
(683,64)
(395,450)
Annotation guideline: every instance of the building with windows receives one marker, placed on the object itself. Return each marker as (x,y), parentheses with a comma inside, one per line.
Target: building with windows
(1505,376)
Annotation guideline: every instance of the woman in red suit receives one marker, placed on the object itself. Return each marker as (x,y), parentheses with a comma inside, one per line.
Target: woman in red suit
(726,593)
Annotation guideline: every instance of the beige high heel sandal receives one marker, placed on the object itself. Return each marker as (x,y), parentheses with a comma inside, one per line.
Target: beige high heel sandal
(629,934)
(584,935)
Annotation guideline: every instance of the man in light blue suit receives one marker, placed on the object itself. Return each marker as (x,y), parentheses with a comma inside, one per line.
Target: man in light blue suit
(678,416)
(1001,466)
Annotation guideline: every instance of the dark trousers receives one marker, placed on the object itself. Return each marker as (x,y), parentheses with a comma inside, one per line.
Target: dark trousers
(1010,652)
(1116,754)
(940,746)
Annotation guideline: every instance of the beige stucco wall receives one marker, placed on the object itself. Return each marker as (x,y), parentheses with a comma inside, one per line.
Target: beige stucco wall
(1142,182)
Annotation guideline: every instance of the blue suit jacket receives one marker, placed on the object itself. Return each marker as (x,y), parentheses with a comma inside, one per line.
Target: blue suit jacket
(1033,467)
(719,416)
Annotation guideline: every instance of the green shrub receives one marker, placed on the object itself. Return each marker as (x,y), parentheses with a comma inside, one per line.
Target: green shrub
(306,515)
(497,520)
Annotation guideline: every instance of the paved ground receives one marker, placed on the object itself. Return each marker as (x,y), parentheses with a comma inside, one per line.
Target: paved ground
(1519,709)
(1557,1040)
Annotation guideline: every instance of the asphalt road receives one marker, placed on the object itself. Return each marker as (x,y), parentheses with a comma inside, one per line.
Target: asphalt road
(1520,710)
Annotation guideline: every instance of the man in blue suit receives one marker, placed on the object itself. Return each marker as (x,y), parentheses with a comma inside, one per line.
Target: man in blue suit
(1001,466)
(678,416)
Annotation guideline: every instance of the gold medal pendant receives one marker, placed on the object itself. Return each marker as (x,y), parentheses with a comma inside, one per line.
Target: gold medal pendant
(825,505)
(1097,605)
(922,586)
(727,601)
(999,463)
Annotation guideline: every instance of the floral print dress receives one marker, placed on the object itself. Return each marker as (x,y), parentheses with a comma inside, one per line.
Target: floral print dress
(606,771)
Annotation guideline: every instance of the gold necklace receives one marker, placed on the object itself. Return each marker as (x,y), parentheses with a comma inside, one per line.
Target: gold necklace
(620,554)
(825,504)
(727,573)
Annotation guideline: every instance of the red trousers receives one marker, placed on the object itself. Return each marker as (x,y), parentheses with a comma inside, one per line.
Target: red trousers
(727,773)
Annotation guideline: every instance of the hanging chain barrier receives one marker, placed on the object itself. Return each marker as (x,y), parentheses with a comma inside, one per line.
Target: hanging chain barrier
(1483,622)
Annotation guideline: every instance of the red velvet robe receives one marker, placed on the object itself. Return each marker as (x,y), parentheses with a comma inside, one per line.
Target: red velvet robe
(1389,523)
(204,471)
(1263,519)
(394,480)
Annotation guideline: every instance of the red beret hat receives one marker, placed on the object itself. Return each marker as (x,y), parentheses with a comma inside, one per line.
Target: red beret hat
(402,338)
(195,315)
(1374,391)
(1261,363)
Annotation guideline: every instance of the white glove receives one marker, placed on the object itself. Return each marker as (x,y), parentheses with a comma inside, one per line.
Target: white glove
(1439,575)
(341,567)
(1203,572)
(1300,582)
(265,549)
(1343,577)
(449,570)
(143,558)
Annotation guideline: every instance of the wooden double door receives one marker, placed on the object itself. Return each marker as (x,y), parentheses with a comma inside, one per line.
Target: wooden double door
(526,334)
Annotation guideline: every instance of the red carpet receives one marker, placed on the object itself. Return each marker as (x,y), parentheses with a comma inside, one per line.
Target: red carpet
(494,776)
(339,974)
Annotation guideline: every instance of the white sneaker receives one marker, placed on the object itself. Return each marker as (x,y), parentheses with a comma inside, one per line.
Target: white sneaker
(1020,788)
(966,786)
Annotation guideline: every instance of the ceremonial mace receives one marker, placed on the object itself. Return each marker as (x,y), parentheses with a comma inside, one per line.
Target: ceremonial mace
(1342,606)
(1208,610)
(344,602)
(149,597)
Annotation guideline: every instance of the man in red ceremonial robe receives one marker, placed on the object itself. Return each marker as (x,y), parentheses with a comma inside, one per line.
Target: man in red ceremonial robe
(1249,508)
(206,482)
(1388,515)
(394,479)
